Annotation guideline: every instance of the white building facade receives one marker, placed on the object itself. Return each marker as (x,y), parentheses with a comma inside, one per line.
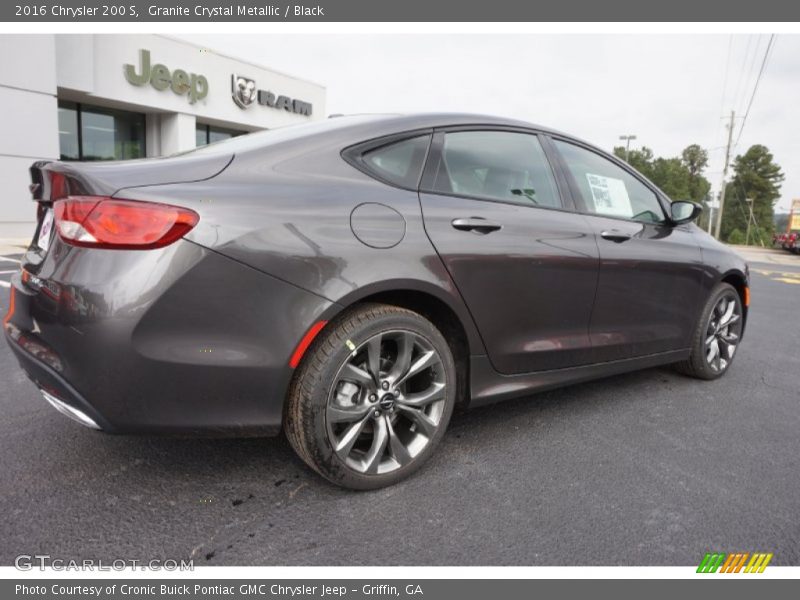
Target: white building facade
(107,97)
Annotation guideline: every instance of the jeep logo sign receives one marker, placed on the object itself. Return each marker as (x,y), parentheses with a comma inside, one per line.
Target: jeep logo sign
(160,77)
(245,93)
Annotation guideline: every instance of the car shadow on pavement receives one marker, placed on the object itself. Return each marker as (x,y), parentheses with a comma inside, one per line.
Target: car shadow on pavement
(273,459)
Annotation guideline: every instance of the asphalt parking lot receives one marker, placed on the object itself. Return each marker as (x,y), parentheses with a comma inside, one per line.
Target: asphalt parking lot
(649,468)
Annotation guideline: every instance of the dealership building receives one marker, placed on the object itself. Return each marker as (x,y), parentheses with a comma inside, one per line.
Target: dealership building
(107,97)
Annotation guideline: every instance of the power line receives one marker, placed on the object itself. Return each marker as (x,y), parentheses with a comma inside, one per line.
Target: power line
(749,73)
(770,45)
(727,71)
(737,89)
(742,204)
(743,200)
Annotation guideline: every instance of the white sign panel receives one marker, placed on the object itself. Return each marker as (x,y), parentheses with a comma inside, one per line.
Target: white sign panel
(610,195)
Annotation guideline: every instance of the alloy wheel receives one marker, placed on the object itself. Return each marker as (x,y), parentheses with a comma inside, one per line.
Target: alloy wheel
(386,402)
(723,333)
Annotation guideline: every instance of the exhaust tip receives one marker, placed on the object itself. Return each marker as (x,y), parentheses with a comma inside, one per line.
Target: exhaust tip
(69,411)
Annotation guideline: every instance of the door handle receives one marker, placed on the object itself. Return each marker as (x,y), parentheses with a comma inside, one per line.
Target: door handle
(476,224)
(615,236)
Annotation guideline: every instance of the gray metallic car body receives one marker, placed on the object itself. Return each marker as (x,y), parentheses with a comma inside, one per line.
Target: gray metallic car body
(197,336)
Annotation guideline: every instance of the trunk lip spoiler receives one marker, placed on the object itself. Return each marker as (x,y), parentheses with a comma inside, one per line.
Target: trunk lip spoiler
(37,179)
(92,182)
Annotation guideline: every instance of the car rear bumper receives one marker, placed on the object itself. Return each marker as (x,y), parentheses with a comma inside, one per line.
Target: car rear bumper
(55,389)
(179,340)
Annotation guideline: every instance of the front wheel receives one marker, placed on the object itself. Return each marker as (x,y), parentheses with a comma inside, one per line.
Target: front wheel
(373,397)
(717,336)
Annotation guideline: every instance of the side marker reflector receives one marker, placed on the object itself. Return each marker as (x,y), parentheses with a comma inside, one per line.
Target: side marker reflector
(747,296)
(11,307)
(297,356)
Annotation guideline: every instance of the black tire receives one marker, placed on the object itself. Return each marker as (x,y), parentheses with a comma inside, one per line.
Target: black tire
(317,388)
(697,365)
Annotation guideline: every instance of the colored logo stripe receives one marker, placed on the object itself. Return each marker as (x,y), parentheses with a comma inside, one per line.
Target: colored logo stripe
(734,562)
(711,562)
(758,563)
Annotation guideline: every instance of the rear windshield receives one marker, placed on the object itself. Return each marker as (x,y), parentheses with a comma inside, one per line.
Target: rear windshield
(261,139)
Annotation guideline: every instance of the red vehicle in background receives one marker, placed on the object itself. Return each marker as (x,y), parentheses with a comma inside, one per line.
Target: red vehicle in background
(791,239)
(788,241)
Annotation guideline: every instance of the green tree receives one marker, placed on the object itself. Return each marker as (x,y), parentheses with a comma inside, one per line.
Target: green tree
(672,177)
(680,178)
(736,237)
(695,158)
(757,177)
(641,160)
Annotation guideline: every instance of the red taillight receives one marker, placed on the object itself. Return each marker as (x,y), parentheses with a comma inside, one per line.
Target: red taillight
(99,222)
(59,187)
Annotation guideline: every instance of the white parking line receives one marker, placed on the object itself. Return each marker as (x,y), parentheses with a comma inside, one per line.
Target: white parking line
(7,284)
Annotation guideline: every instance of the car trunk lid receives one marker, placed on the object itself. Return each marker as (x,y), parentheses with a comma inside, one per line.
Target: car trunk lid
(53,180)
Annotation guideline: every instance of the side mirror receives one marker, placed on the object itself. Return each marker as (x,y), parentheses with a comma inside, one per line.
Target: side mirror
(683,211)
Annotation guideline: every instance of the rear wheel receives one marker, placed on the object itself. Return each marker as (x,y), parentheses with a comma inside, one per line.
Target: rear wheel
(717,336)
(372,398)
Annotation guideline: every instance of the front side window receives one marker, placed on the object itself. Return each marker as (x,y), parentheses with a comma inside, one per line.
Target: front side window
(607,189)
(497,165)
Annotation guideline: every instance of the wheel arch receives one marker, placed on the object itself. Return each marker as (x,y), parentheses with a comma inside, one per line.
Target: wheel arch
(454,322)
(738,280)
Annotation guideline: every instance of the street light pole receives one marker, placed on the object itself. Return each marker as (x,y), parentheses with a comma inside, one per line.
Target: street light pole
(627,139)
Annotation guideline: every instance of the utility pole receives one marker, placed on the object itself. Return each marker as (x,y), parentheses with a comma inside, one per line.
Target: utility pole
(627,139)
(710,224)
(718,224)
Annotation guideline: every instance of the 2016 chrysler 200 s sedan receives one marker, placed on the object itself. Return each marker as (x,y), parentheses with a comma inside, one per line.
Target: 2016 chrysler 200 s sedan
(352,281)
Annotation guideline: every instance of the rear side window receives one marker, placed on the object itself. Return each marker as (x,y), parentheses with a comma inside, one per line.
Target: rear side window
(399,163)
(497,165)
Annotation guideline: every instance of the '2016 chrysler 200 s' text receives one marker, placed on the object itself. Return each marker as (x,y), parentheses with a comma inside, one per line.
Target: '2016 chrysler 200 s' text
(351,281)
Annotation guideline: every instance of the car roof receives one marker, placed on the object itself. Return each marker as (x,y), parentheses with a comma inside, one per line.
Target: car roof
(409,121)
(348,130)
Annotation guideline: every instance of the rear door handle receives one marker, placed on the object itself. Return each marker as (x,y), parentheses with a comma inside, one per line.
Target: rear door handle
(476,224)
(615,235)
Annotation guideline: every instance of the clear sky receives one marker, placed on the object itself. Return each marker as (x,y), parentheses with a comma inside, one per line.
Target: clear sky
(669,90)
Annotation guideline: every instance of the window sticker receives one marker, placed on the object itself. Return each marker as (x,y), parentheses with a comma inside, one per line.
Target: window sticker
(610,196)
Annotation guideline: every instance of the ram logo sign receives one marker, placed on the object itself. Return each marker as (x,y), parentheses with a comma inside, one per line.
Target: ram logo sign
(243,90)
(735,562)
(245,94)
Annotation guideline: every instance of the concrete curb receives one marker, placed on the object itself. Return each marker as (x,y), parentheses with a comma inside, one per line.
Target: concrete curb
(13,246)
(756,254)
